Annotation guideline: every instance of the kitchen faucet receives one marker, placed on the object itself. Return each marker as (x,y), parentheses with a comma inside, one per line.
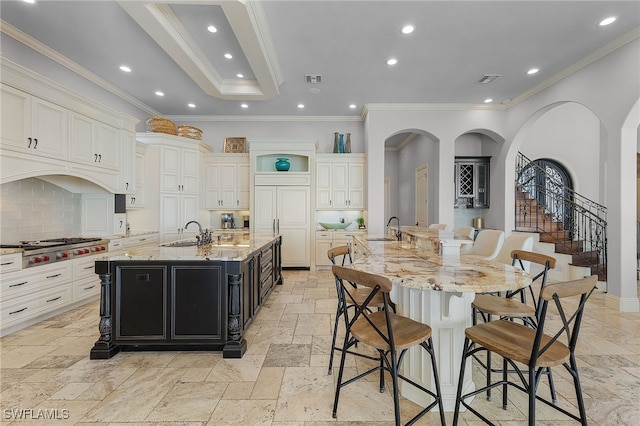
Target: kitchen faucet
(398,232)
(204,237)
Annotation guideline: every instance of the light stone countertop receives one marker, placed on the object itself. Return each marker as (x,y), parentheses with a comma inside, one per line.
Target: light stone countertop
(409,265)
(235,247)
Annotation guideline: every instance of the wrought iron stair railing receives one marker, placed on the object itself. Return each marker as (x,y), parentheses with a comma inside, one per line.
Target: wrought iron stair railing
(576,224)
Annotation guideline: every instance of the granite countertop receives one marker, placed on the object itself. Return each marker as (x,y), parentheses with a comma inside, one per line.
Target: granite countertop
(10,251)
(408,264)
(232,246)
(130,234)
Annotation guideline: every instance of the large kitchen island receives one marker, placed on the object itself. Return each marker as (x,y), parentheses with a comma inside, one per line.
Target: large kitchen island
(180,296)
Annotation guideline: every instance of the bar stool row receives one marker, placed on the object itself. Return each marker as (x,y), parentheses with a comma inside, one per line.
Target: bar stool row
(518,336)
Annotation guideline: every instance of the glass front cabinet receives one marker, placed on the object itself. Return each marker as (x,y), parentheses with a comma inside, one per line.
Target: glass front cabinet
(472,182)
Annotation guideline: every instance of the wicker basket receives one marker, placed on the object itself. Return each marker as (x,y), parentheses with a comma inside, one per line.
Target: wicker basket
(158,124)
(189,132)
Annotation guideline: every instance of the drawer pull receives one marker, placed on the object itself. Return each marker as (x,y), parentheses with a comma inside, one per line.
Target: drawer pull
(142,277)
(90,267)
(143,239)
(53,276)
(7,263)
(19,284)
(54,299)
(18,311)
(90,287)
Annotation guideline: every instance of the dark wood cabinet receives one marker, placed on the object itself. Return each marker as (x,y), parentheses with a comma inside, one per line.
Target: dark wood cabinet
(141,292)
(472,182)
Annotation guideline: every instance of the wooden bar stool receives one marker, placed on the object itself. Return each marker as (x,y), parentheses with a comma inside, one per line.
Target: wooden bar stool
(514,304)
(388,333)
(538,348)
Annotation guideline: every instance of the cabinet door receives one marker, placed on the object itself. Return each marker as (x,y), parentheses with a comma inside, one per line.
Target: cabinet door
(340,185)
(140,302)
(197,310)
(228,186)
(50,128)
(481,199)
(170,219)
(106,149)
(127,162)
(136,200)
(264,213)
(243,183)
(356,186)
(322,247)
(82,139)
(212,194)
(170,161)
(293,206)
(189,210)
(190,171)
(323,185)
(16,118)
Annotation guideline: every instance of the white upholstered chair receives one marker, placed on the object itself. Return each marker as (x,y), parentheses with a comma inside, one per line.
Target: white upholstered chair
(515,242)
(469,231)
(487,245)
(440,226)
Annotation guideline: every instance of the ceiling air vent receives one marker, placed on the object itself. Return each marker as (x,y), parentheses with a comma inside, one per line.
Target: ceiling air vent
(313,78)
(488,78)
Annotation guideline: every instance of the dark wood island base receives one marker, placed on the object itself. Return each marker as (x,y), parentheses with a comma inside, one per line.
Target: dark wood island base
(186,304)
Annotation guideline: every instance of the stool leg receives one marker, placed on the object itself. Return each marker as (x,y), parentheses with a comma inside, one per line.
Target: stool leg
(335,334)
(465,350)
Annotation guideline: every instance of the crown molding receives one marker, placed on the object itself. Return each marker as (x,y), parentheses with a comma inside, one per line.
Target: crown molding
(430,107)
(34,44)
(263,118)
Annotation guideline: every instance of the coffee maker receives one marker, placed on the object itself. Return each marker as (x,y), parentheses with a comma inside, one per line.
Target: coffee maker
(226,221)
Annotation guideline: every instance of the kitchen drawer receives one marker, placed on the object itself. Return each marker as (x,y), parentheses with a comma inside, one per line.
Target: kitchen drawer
(86,288)
(85,267)
(30,306)
(323,235)
(116,245)
(10,262)
(30,280)
(139,240)
(344,236)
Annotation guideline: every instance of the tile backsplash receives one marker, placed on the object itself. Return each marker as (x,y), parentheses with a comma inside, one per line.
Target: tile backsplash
(32,209)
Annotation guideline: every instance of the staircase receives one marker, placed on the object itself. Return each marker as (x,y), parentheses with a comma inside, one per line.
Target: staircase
(574,225)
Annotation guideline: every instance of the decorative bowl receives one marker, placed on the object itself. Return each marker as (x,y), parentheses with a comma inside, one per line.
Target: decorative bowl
(335,225)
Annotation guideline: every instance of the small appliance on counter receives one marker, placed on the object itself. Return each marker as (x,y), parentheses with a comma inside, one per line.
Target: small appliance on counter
(226,221)
(245,220)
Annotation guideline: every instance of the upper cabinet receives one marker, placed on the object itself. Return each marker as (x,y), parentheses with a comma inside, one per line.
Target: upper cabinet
(340,181)
(93,143)
(227,182)
(472,182)
(32,125)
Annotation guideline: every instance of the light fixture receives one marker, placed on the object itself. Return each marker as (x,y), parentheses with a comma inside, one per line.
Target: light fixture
(407,29)
(244,106)
(228,55)
(191,105)
(533,71)
(159,93)
(352,106)
(607,21)
(392,61)
(125,68)
(29,1)
(212,29)
(240,75)
(301,106)
(488,101)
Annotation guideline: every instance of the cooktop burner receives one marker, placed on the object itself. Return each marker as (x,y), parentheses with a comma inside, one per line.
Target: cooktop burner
(41,252)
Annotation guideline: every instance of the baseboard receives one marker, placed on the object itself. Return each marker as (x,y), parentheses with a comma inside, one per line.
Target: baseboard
(627,304)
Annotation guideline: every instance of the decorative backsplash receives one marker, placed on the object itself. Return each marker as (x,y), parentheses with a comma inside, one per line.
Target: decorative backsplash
(32,209)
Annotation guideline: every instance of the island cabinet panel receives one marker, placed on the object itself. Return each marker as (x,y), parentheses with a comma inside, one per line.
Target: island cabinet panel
(141,302)
(196,293)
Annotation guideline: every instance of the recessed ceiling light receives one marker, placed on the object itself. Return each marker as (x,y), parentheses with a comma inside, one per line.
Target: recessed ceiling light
(392,61)
(408,29)
(533,71)
(488,101)
(212,29)
(159,93)
(29,1)
(228,55)
(244,106)
(607,21)
(300,106)
(191,105)
(240,75)
(352,106)
(125,68)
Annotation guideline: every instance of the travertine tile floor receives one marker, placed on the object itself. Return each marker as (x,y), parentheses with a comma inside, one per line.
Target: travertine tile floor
(282,379)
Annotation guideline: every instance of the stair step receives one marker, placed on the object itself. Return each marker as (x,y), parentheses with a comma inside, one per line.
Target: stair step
(586,258)
(556,237)
(570,247)
(544,226)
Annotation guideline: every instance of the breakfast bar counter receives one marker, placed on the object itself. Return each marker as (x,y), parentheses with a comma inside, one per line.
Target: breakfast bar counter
(437,290)
(183,296)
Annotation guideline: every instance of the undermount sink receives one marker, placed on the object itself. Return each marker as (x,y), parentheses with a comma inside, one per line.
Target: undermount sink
(189,243)
(382,239)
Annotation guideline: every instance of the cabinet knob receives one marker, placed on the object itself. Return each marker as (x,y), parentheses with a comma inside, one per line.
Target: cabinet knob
(30,140)
(35,143)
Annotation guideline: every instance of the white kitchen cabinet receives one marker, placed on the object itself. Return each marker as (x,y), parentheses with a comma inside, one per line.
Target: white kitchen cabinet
(10,262)
(179,170)
(326,240)
(340,181)
(127,160)
(92,143)
(86,284)
(32,125)
(285,210)
(227,182)
(136,200)
(175,211)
